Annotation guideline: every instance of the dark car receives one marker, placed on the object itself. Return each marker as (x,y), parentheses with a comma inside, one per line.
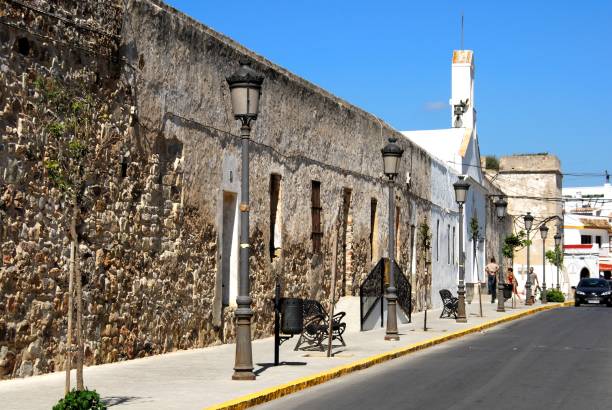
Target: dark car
(593,291)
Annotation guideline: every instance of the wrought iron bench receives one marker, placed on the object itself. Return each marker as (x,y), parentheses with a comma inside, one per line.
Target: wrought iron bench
(449,303)
(316,327)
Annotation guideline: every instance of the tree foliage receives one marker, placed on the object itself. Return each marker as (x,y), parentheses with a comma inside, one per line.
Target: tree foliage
(491,162)
(515,241)
(81,400)
(424,236)
(474,228)
(555,257)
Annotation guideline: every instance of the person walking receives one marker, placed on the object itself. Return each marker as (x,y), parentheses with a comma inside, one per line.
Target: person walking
(510,279)
(534,282)
(491,269)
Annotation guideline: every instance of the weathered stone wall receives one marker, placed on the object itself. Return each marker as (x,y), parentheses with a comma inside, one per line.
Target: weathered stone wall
(533,184)
(150,242)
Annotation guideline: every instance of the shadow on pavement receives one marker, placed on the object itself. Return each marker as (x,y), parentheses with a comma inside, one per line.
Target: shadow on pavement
(266,366)
(118,400)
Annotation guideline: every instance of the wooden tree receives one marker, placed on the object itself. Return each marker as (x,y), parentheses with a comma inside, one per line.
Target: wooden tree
(72,121)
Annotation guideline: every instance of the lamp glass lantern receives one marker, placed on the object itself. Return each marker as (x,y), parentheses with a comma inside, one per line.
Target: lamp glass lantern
(461,189)
(543,231)
(501,205)
(392,154)
(245,90)
(557,239)
(528,219)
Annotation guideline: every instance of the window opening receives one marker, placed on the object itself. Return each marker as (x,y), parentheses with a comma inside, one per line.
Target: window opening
(275,216)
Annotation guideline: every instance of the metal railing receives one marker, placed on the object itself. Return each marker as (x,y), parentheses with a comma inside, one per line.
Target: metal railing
(371,292)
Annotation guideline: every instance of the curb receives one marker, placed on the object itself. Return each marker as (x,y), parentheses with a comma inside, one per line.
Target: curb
(302,383)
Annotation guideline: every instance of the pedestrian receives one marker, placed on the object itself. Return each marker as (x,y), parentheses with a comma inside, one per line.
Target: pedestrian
(535,283)
(510,279)
(491,269)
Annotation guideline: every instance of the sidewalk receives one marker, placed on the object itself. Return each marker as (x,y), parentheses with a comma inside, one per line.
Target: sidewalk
(196,379)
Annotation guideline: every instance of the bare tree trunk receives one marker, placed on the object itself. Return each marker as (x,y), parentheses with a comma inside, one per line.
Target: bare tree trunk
(332,293)
(79,299)
(70,308)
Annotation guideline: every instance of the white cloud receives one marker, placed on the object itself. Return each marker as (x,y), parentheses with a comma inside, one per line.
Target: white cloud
(435,106)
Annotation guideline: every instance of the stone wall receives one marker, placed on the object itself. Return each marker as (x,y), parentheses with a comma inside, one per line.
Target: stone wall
(151,236)
(533,184)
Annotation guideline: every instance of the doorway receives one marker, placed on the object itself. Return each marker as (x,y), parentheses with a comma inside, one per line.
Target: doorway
(229,249)
(584,273)
(347,243)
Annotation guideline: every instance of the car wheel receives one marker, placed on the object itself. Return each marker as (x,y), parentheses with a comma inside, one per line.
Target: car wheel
(609,304)
(577,304)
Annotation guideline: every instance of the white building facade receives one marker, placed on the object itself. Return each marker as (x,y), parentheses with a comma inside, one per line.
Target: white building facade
(457,152)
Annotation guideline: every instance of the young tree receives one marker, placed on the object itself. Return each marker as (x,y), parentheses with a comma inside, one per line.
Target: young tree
(555,257)
(514,242)
(424,244)
(74,114)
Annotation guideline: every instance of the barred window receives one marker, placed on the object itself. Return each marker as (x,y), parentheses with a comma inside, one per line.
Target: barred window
(315,211)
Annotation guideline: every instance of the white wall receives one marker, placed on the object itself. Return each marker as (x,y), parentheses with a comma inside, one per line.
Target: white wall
(445,212)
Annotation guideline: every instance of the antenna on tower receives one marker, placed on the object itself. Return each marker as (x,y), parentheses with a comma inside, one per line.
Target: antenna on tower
(462,30)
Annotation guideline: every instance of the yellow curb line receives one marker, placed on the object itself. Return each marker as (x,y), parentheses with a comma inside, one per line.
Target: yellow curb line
(302,383)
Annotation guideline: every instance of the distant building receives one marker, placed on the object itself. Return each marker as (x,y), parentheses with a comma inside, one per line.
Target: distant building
(592,200)
(532,183)
(458,153)
(587,247)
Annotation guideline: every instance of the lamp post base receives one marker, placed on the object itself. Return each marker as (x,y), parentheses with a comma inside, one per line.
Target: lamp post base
(243,367)
(500,298)
(544,298)
(246,375)
(392,333)
(461,317)
(528,295)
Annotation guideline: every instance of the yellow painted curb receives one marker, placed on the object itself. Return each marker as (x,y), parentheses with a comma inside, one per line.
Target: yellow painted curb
(302,383)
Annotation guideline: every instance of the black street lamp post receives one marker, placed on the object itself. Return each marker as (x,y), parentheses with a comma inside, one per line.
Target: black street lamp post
(245,90)
(461,189)
(557,255)
(392,154)
(528,219)
(500,207)
(544,234)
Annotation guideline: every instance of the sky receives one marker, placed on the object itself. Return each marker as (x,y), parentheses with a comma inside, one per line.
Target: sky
(543,68)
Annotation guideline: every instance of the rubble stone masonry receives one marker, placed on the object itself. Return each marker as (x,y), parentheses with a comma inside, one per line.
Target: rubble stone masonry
(151,241)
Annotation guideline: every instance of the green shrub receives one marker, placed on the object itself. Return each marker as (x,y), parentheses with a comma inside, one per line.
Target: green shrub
(554,295)
(491,162)
(80,400)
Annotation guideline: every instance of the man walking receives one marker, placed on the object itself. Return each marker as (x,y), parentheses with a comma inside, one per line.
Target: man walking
(492,268)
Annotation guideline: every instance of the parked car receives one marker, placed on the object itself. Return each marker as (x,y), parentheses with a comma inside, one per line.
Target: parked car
(593,291)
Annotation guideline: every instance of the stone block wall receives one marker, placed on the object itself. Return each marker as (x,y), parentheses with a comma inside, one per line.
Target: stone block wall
(151,236)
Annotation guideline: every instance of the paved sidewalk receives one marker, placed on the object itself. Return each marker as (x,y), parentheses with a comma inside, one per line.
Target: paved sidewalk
(196,379)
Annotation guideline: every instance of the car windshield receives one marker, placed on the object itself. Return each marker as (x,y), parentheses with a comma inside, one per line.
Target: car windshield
(593,283)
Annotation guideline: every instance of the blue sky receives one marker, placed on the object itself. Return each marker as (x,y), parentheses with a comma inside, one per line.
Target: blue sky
(543,68)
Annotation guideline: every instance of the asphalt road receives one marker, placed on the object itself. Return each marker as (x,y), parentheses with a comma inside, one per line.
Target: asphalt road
(559,359)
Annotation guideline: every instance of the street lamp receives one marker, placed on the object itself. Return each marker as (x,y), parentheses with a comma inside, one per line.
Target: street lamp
(500,208)
(528,219)
(392,155)
(461,189)
(557,255)
(245,90)
(544,234)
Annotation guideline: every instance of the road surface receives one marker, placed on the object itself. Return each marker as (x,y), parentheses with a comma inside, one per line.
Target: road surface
(559,359)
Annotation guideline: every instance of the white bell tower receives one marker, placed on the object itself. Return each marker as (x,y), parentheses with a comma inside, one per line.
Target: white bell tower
(463,114)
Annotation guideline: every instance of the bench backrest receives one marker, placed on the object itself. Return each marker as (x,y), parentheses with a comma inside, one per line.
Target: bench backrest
(446,295)
(313,308)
